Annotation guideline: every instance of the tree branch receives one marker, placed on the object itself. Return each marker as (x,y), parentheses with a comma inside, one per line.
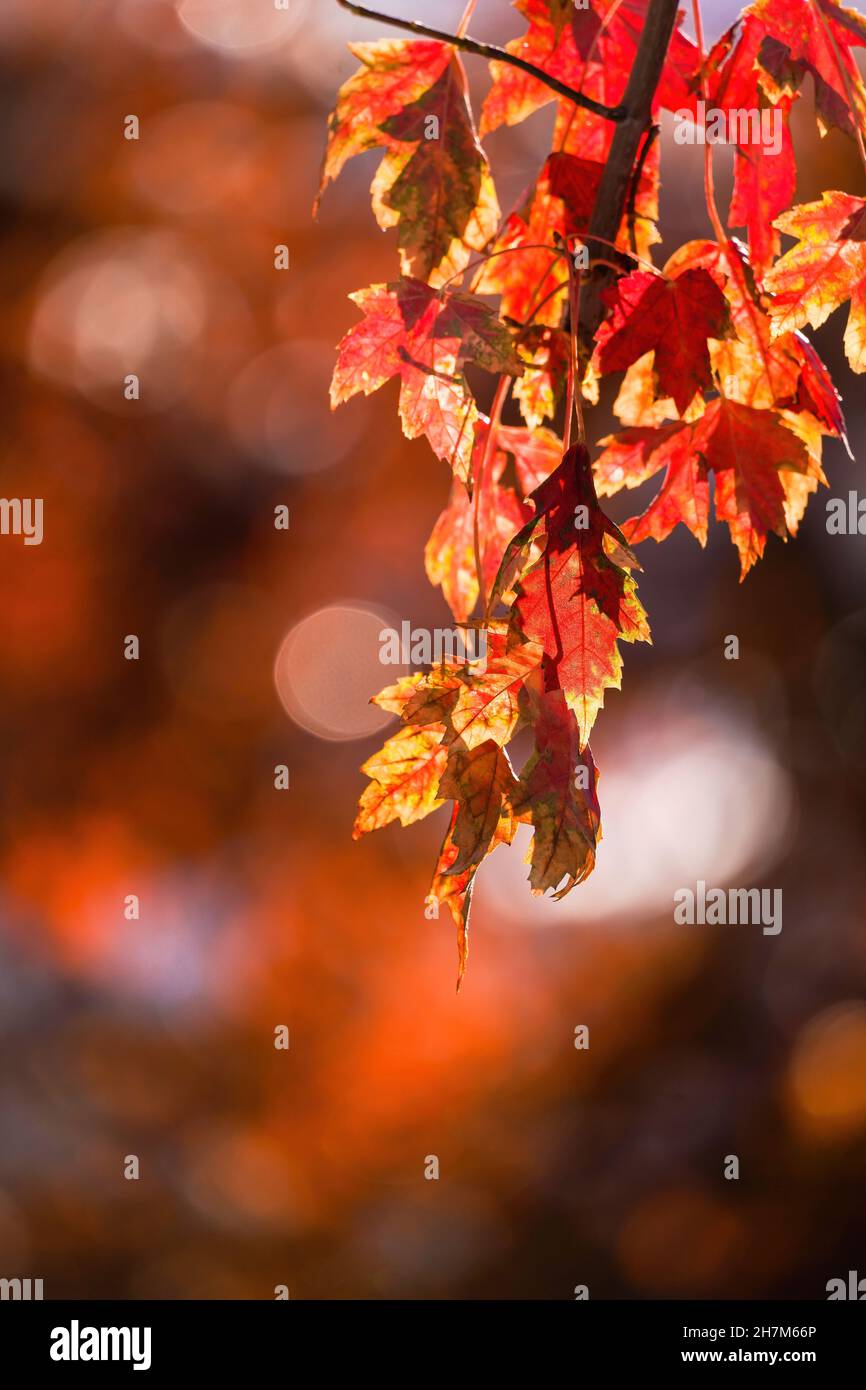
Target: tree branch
(631,215)
(497,55)
(613,189)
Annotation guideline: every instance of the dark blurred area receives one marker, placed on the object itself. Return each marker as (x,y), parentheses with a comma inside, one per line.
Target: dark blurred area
(154,1036)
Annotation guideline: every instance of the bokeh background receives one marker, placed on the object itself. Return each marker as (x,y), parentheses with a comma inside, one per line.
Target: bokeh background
(155,1037)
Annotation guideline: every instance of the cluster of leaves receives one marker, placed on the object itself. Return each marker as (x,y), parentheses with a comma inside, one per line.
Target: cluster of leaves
(718,380)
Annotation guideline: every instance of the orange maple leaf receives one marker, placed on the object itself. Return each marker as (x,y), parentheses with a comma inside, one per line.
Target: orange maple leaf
(434,183)
(826,267)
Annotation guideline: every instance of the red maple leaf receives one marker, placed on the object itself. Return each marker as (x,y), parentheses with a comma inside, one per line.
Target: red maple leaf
(753,455)
(764,177)
(423,336)
(557,793)
(814,37)
(674,318)
(574,601)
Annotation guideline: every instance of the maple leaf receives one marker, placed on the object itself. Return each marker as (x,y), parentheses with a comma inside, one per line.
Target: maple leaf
(423,336)
(405,323)
(397,697)
(574,601)
(457,720)
(824,269)
(573,51)
(452,888)
(482,336)
(434,182)
(674,318)
(817,394)
(454,891)
(479,780)
(814,37)
(764,178)
(635,455)
(751,453)
(565,815)
(548,44)
(764,184)
(393,74)
(488,703)
(474,701)
(755,367)
(424,698)
(576,182)
(746,450)
(405,776)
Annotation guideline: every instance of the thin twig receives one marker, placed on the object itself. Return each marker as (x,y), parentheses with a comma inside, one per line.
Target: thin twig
(620,251)
(651,135)
(530,323)
(709,186)
(603,260)
(491,52)
(490,255)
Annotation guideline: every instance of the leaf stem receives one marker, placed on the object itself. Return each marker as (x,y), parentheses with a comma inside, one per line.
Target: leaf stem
(499,400)
(466,17)
(709,188)
(491,52)
(575,380)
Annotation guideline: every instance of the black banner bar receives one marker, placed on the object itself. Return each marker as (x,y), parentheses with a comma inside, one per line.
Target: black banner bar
(154,1339)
